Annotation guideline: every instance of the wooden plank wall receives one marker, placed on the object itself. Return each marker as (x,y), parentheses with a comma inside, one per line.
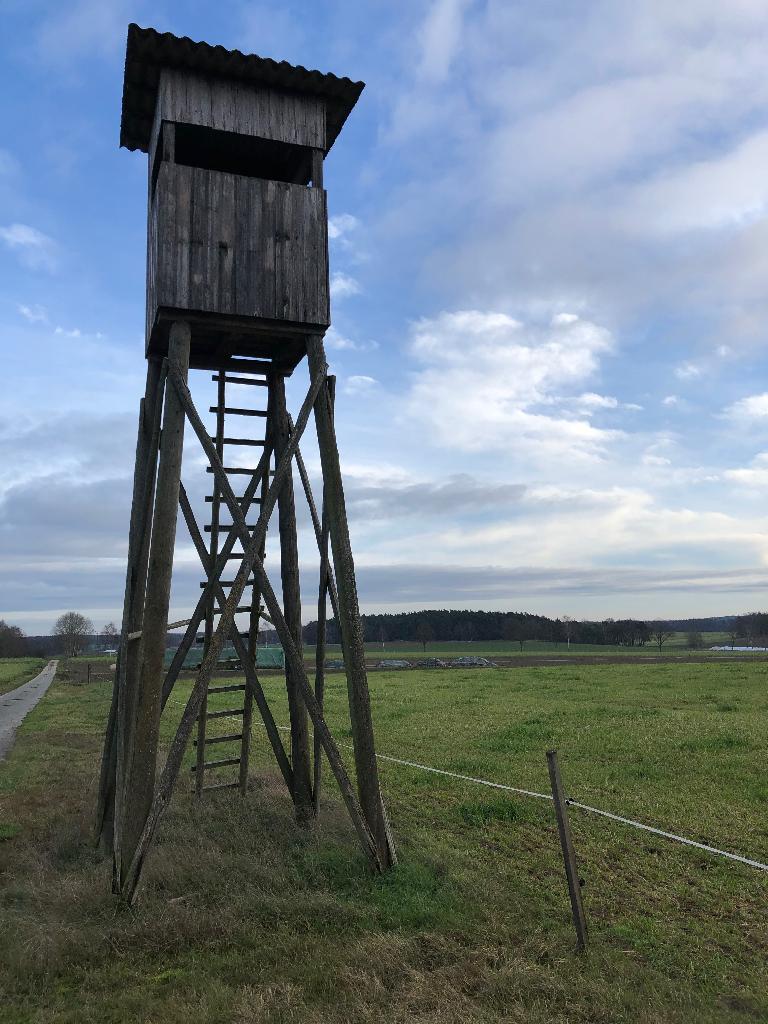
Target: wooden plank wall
(240,107)
(224,243)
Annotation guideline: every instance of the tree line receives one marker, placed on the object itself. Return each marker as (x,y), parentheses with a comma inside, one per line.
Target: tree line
(440,625)
(73,634)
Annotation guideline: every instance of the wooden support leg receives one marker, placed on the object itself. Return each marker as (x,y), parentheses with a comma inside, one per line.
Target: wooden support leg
(279,431)
(133,601)
(141,780)
(349,618)
(250,562)
(326,584)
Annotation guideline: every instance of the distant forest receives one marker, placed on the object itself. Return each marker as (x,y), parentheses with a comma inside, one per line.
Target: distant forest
(436,625)
(433,625)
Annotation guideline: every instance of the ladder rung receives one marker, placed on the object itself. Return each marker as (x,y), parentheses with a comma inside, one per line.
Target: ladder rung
(222,785)
(241,440)
(222,739)
(208,528)
(228,583)
(254,501)
(231,410)
(217,764)
(240,470)
(226,689)
(201,639)
(225,714)
(228,379)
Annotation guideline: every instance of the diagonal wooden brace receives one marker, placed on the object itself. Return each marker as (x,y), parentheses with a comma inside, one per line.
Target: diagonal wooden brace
(252,679)
(251,544)
(205,597)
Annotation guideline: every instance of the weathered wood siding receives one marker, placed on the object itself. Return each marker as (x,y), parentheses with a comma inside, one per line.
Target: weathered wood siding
(240,107)
(223,243)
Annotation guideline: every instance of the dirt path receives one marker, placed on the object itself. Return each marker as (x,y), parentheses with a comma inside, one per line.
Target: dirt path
(15,705)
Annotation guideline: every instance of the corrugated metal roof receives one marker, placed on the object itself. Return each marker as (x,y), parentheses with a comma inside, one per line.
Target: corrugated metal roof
(148,51)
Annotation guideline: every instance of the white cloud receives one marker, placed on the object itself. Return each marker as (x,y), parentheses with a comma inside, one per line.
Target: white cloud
(590,401)
(753,407)
(35,249)
(688,371)
(723,191)
(440,38)
(342,225)
(499,370)
(34,314)
(670,401)
(342,285)
(754,476)
(74,332)
(621,158)
(359,384)
(339,342)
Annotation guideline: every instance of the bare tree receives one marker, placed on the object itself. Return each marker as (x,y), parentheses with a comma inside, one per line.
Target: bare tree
(733,636)
(73,628)
(12,641)
(514,630)
(424,633)
(695,640)
(110,635)
(660,633)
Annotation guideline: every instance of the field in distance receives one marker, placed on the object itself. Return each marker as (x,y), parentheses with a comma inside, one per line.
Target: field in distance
(17,671)
(244,918)
(677,645)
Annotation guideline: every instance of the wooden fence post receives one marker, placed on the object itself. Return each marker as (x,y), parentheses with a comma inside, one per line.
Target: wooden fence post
(569,856)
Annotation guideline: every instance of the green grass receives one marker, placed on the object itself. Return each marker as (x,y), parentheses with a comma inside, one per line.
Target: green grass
(245,919)
(676,646)
(16,671)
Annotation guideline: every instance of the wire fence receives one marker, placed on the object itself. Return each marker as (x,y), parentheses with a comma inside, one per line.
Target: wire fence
(571,803)
(672,836)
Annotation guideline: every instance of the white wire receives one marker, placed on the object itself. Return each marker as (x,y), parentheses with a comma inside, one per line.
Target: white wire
(572,803)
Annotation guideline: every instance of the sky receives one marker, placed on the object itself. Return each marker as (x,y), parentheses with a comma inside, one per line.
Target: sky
(549,254)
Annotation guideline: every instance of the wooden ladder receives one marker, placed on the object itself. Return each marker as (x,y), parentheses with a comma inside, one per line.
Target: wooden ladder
(240,712)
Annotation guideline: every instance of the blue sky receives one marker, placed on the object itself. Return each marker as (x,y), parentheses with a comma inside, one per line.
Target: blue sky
(549,253)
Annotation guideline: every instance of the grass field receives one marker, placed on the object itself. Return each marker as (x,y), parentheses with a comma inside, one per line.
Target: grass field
(243,919)
(15,671)
(676,646)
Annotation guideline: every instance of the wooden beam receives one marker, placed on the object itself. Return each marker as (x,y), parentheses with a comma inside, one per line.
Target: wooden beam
(135,580)
(306,484)
(251,563)
(250,544)
(326,580)
(252,681)
(317,168)
(140,778)
(280,432)
(349,618)
(221,561)
(569,855)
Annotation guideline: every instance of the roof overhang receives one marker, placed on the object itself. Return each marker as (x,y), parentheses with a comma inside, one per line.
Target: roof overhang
(148,51)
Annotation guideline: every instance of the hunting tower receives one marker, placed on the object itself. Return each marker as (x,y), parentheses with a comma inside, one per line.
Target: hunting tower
(237,284)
